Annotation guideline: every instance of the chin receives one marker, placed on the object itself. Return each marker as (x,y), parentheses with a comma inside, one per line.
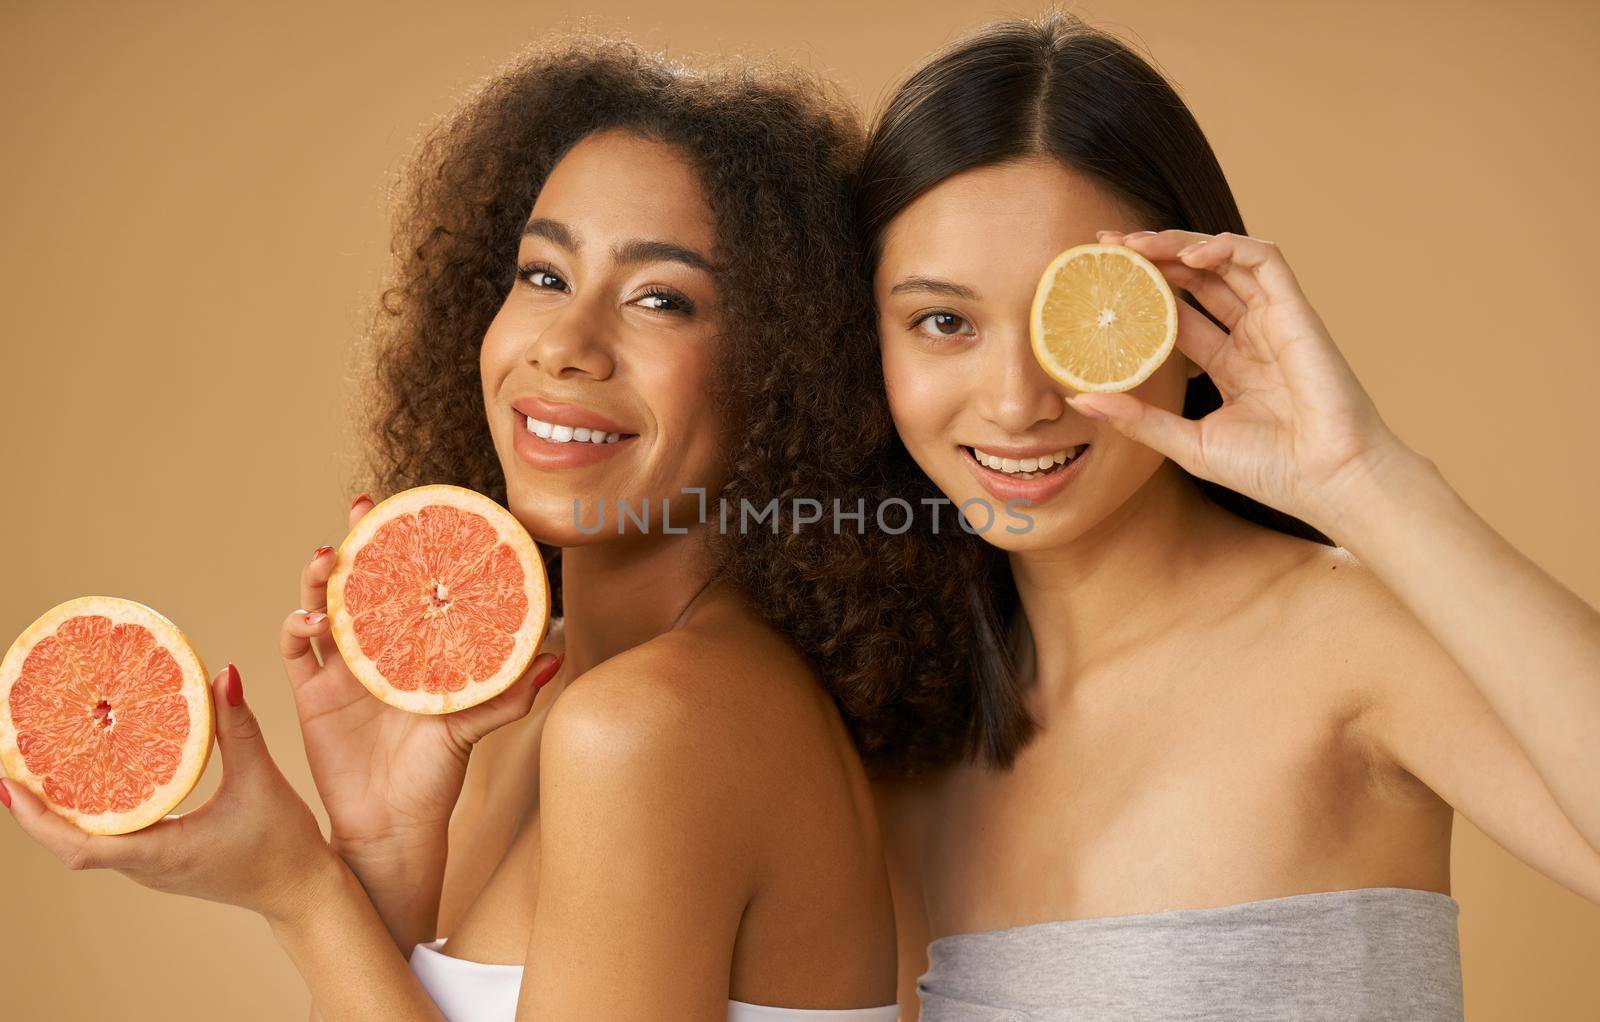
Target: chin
(548,517)
(1051,530)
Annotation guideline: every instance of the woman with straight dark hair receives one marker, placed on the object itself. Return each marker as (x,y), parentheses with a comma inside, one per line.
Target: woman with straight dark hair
(1220,701)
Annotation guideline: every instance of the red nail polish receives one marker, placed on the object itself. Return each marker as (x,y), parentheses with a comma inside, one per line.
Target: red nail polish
(545,675)
(235,687)
(5,795)
(359,499)
(319,551)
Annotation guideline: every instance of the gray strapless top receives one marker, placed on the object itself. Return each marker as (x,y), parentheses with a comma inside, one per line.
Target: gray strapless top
(1367,954)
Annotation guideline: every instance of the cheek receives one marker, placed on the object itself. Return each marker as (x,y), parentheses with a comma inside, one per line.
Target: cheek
(501,342)
(495,357)
(673,389)
(920,396)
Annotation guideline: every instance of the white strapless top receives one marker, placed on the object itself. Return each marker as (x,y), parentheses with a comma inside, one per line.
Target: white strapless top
(468,991)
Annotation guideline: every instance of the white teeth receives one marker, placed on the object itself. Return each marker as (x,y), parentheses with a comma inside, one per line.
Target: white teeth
(567,434)
(1022,466)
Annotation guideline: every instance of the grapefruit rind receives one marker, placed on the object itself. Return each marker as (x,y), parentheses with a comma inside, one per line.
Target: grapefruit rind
(1042,294)
(196,691)
(528,638)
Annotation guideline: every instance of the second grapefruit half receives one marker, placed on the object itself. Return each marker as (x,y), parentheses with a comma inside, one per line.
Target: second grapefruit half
(105,713)
(439,599)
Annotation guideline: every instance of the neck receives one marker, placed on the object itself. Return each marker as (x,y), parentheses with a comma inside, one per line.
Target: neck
(1111,586)
(618,594)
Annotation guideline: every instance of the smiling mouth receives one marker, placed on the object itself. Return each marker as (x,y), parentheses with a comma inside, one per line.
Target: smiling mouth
(1027,468)
(562,433)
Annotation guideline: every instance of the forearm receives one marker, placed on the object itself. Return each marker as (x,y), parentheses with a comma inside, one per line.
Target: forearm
(1530,645)
(404,884)
(347,956)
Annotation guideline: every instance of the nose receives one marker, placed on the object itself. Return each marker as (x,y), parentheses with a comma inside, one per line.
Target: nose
(572,340)
(1013,392)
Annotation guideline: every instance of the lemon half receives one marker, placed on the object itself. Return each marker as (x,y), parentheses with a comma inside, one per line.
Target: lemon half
(1104,318)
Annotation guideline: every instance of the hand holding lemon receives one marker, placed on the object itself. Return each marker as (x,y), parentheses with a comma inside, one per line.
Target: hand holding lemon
(1296,430)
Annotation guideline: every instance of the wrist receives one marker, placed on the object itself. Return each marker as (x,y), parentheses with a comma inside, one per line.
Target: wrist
(1372,489)
(398,867)
(402,875)
(317,884)
(402,849)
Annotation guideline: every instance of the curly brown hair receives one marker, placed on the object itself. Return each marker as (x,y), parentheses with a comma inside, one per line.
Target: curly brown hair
(798,385)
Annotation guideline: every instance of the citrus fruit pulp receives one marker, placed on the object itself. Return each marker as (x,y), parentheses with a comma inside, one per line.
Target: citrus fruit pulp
(1104,318)
(438,599)
(105,713)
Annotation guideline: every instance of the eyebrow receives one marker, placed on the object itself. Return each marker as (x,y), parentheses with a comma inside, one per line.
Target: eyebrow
(551,230)
(636,250)
(934,286)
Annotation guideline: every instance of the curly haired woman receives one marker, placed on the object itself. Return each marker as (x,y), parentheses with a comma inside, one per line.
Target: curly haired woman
(618,280)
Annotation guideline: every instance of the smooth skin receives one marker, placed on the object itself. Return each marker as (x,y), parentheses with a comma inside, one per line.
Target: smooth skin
(1228,713)
(677,817)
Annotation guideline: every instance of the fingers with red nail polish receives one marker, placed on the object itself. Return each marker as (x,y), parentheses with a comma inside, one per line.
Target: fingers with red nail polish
(549,671)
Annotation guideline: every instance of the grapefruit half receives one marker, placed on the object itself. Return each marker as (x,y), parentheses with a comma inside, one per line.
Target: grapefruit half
(438,599)
(105,713)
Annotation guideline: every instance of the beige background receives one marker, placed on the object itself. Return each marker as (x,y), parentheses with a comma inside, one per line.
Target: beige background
(195,212)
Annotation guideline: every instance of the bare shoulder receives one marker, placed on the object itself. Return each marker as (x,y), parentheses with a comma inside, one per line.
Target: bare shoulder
(1320,609)
(676,746)
(1372,649)
(1334,597)
(715,700)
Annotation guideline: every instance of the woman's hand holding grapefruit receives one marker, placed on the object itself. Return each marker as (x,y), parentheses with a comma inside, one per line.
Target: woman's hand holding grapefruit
(254,843)
(1296,430)
(389,779)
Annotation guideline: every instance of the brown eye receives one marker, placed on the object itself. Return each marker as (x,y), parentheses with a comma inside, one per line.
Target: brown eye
(662,300)
(941,325)
(540,277)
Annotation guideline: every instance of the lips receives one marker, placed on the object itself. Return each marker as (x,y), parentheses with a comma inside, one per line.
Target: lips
(550,435)
(1033,486)
(1024,462)
(572,416)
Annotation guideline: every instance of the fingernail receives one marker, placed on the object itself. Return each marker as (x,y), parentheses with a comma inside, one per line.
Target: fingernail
(319,551)
(1088,411)
(235,687)
(549,672)
(1189,248)
(5,796)
(1142,234)
(315,619)
(359,499)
